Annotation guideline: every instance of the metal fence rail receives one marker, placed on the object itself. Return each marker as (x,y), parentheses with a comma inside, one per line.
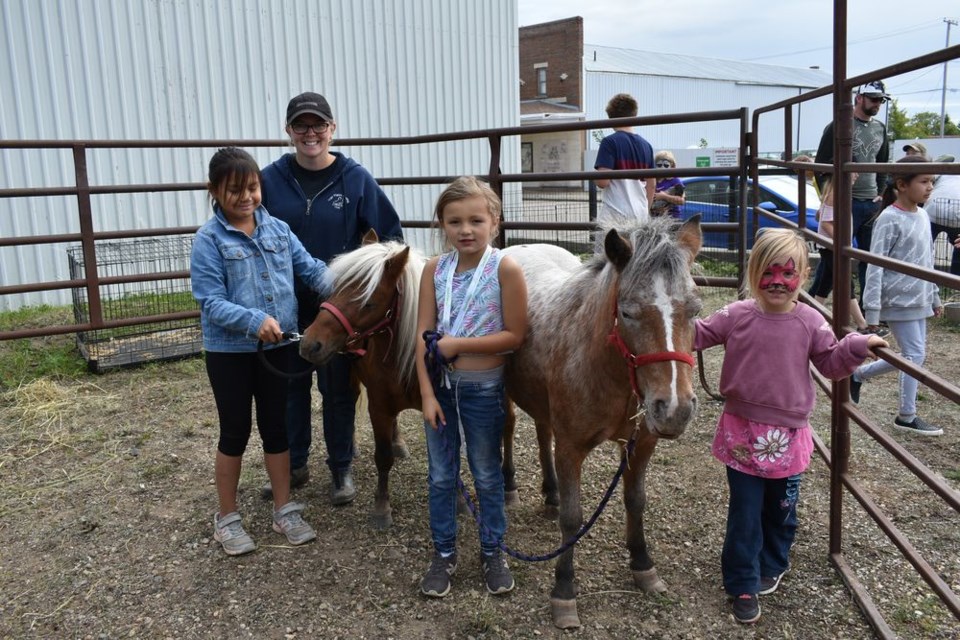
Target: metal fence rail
(842,410)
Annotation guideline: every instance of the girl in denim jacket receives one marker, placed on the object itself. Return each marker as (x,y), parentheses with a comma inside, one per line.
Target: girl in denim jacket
(242,270)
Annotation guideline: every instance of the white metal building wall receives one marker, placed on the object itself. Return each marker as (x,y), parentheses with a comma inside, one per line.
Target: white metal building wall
(225,69)
(658,95)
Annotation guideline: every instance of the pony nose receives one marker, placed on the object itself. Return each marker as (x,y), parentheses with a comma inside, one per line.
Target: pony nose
(672,418)
(309,348)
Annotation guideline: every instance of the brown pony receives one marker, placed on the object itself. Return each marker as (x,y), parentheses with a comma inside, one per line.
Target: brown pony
(376,290)
(608,341)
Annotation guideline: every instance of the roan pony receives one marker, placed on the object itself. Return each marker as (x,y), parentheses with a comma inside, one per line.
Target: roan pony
(607,342)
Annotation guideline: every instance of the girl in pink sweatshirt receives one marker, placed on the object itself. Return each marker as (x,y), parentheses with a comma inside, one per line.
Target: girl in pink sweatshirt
(763,435)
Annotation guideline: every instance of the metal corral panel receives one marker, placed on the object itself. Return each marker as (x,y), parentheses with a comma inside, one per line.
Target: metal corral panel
(225,69)
(666,83)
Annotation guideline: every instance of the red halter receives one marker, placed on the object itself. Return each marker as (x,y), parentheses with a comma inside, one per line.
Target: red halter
(634,361)
(355,337)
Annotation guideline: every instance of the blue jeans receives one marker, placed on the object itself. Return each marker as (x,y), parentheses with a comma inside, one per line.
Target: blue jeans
(475,402)
(339,410)
(911,335)
(761,526)
(863,216)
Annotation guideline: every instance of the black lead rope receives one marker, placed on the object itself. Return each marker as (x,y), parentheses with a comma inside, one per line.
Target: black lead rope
(292,336)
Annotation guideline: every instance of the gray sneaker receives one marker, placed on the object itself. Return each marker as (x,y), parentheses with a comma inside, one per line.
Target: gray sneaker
(918,426)
(288,521)
(228,531)
(436,581)
(769,584)
(298,478)
(496,573)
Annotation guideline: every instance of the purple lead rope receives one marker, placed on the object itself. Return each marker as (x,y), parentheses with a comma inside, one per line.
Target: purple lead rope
(437,366)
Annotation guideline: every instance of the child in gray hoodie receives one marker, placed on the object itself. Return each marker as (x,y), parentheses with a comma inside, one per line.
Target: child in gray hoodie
(904,302)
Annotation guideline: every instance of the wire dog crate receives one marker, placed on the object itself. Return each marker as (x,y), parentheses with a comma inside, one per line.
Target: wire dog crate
(137,344)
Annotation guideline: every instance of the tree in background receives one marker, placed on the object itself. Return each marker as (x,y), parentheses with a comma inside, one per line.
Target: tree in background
(925,124)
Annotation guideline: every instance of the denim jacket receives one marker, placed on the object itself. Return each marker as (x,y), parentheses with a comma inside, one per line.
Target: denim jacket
(240,281)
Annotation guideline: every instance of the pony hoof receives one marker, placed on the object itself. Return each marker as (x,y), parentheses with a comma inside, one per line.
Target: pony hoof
(564,613)
(551,511)
(381,521)
(649,581)
(400,450)
(511,498)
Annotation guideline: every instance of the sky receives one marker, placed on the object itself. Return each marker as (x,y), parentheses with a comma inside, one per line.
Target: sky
(780,32)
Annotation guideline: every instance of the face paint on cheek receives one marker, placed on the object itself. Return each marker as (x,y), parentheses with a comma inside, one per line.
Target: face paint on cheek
(777,275)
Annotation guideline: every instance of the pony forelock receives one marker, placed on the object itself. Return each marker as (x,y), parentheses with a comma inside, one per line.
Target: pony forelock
(655,250)
(363,268)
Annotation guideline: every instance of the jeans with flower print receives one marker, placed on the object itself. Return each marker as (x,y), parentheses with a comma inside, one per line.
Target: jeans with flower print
(761,526)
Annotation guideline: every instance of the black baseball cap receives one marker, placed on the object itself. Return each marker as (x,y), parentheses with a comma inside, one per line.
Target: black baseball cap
(309,103)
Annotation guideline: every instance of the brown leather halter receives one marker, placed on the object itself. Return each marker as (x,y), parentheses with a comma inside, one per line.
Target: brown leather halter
(635,361)
(355,337)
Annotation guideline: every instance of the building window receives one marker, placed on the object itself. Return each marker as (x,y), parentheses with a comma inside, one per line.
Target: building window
(542,81)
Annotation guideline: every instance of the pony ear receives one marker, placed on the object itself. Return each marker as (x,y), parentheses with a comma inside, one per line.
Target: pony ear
(690,237)
(370,237)
(617,249)
(393,267)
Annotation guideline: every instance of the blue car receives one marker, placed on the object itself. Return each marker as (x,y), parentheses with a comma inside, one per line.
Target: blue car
(711,198)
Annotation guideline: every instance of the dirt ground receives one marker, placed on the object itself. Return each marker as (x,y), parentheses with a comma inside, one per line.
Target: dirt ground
(106,497)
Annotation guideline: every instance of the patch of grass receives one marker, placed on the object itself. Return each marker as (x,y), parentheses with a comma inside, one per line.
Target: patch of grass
(157,470)
(918,614)
(28,359)
(35,317)
(481,621)
(952,474)
(665,460)
(718,268)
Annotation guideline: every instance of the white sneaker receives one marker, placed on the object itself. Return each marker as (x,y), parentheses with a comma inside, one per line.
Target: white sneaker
(288,521)
(228,531)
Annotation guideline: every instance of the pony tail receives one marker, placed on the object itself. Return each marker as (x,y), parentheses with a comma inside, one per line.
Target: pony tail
(889,195)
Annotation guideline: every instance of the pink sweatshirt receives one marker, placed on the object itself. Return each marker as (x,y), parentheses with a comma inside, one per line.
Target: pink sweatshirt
(765,376)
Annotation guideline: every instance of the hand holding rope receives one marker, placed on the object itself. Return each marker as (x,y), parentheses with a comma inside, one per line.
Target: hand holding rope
(437,364)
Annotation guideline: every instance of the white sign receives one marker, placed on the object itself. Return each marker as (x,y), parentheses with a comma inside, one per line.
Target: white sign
(725,156)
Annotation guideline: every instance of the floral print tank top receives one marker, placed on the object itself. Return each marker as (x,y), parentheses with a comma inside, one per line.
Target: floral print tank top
(484,314)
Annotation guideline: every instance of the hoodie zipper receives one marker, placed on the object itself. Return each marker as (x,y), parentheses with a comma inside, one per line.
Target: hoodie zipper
(319,193)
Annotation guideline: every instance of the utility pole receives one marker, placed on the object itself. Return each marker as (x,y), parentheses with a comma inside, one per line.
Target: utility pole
(943,91)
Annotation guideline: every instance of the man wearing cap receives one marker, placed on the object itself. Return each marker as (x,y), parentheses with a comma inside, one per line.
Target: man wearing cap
(915,149)
(869,145)
(329,201)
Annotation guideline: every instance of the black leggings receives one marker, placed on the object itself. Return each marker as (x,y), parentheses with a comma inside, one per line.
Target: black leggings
(823,277)
(238,379)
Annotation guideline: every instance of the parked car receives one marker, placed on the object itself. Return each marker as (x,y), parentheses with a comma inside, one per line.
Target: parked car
(712,198)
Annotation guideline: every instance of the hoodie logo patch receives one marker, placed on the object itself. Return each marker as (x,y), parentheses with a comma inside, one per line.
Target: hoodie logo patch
(338,200)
